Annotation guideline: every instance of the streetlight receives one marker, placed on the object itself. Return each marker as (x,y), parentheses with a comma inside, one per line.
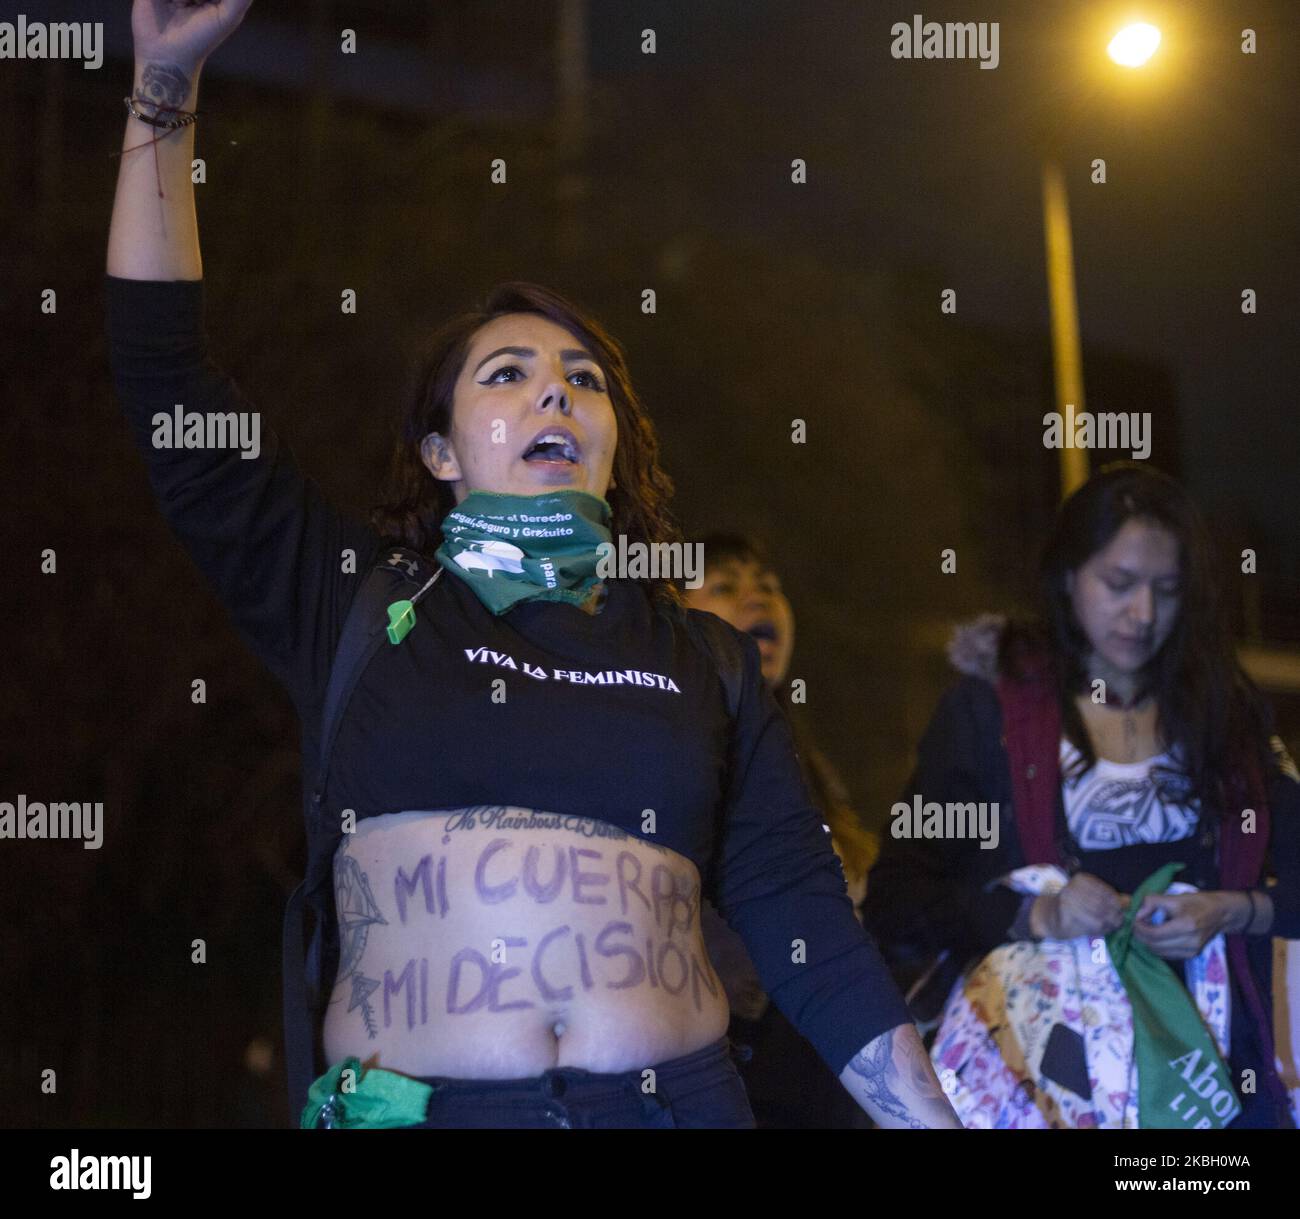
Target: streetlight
(1131,47)
(1134,45)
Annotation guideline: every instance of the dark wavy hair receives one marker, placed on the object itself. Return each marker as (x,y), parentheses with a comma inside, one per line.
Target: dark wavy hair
(722,546)
(1206,703)
(415,503)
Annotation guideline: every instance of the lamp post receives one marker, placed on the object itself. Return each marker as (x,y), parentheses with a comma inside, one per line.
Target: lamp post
(1131,48)
(1067,362)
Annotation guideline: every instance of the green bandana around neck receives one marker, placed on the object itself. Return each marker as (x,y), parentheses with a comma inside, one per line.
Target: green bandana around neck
(513,548)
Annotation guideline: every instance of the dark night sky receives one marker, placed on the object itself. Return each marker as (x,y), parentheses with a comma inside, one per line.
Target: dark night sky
(937,163)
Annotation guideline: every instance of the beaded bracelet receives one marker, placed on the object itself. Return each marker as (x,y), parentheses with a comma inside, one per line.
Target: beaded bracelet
(169,125)
(187,116)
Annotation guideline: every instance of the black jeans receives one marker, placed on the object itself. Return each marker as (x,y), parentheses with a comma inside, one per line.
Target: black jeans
(699,1090)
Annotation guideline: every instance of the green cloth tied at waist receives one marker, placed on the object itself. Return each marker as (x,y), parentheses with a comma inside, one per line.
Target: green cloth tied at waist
(345,1098)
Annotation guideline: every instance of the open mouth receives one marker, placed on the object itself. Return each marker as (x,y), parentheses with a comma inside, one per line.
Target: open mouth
(557,445)
(764,630)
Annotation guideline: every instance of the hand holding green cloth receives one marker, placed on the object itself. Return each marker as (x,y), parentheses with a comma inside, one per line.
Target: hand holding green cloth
(512,548)
(1183,1084)
(346,1099)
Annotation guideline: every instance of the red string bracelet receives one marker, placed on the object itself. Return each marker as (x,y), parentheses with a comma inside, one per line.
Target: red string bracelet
(170,125)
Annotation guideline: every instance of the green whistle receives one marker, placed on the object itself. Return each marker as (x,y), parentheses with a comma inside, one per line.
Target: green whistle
(401,618)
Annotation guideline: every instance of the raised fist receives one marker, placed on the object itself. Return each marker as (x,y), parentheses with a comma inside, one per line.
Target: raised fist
(181,34)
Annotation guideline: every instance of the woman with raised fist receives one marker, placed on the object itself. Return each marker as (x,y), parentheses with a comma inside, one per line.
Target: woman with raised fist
(524,770)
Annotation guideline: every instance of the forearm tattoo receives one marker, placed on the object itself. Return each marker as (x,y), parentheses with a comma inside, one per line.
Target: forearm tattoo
(164,84)
(874,1064)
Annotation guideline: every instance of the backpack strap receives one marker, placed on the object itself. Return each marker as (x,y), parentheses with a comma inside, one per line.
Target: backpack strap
(299,1035)
(364,630)
(722,644)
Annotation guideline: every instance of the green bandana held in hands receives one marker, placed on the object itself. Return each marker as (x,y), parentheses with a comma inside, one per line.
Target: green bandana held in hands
(1182,1082)
(512,548)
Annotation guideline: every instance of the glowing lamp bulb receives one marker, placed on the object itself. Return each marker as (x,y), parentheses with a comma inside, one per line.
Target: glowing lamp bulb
(1134,45)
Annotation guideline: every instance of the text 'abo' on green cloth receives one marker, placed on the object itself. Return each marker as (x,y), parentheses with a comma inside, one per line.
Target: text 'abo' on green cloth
(1182,1082)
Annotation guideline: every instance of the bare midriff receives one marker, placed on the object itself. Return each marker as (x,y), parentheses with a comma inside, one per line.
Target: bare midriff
(497,943)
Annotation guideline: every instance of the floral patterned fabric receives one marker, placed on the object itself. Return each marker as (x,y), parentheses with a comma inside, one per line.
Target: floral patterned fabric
(999,1020)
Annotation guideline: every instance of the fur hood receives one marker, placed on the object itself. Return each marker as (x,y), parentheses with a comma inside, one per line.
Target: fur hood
(973,646)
